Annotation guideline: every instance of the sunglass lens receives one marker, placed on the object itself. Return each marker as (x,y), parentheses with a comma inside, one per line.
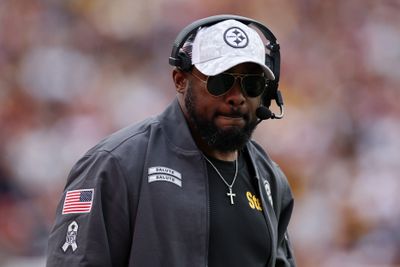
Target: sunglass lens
(253,85)
(220,84)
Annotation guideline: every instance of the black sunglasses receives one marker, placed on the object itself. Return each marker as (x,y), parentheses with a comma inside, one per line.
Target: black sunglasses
(253,85)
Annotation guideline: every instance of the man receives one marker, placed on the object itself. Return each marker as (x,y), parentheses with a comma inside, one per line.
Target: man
(188,187)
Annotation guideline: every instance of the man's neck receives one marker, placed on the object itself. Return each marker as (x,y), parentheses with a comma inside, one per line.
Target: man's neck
(225,156)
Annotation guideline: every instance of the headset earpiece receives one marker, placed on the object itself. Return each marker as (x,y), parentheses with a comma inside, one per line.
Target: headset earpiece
(185,62)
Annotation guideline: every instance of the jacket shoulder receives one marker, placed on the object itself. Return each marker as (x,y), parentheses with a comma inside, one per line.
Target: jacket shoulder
(129,136)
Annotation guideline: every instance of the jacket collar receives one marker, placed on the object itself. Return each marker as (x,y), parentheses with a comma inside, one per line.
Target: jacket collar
(176,129)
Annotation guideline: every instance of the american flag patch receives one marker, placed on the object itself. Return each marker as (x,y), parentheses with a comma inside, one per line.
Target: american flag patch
(78,201)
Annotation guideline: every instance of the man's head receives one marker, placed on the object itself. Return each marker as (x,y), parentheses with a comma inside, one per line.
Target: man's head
(220,107)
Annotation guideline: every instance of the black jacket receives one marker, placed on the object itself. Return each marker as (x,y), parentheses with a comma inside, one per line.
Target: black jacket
(149,203)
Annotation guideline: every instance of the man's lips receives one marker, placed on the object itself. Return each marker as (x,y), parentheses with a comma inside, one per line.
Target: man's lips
(233,114)
(230,119)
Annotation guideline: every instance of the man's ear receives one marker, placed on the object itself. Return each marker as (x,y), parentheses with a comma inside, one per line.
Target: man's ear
(180,80)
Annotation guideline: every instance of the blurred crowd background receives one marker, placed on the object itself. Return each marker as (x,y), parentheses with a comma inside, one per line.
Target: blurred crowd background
(73,71)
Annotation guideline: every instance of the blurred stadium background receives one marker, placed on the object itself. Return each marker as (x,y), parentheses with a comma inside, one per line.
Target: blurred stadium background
(73,71)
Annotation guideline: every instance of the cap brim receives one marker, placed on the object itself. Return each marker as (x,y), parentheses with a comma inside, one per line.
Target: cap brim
(219,65)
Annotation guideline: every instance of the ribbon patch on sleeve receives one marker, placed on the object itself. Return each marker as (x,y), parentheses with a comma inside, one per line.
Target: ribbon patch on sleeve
(70,239)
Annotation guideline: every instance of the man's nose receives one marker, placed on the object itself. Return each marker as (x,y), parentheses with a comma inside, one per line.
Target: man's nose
(235,95)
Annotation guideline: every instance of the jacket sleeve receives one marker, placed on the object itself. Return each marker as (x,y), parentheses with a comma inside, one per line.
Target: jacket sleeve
(285,256)
(95,231)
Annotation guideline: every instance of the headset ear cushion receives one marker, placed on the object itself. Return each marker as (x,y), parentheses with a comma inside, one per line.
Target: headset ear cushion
(271,85)
(185,61)
(267,95)
(269,61)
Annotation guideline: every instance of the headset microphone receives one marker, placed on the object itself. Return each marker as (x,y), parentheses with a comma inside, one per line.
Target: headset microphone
(263,113)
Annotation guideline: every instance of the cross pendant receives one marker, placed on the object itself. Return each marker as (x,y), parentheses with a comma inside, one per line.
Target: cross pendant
(231,195)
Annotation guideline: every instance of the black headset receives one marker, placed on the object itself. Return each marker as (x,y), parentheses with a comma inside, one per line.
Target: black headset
(272,57)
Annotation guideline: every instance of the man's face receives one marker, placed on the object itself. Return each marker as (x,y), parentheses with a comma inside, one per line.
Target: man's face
(225,122)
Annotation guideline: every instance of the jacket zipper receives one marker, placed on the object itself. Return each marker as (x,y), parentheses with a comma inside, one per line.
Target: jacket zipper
(208,213)
(267,220)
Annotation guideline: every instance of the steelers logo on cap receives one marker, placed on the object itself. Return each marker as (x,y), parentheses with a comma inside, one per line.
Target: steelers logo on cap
(236,37)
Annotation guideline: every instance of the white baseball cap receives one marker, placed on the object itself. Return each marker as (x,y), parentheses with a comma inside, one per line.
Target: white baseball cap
(226,44)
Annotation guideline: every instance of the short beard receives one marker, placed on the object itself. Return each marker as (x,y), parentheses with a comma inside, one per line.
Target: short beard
(229,140)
